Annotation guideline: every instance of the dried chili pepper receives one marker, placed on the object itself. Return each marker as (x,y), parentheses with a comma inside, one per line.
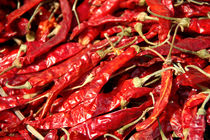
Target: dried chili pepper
(93,88)
(55,56)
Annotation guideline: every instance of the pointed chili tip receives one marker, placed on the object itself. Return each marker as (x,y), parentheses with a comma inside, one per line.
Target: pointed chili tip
(27,85)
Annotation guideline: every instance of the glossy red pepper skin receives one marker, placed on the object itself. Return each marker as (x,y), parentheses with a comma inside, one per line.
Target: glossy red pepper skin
(51,135)
(159,8)
(197,127)
(54,56)
(92,89)
(58,38)
(192,10)
(190,108)
(200,26)
(161,103)
(12,101)
(153,132)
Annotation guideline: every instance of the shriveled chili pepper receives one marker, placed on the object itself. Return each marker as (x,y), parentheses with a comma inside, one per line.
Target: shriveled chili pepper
(190,110)
(158,7)
(110,122)
(93,88)
(58,38)
(51,135)
(13,101)
(18,12)
(166,85)
(54,56)
(192,10)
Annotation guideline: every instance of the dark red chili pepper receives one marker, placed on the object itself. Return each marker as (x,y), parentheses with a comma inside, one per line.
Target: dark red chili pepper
(158,7)
(192,44)
(101,125)
(20,11)
(14,101)
(132,4)
(161,103)
(15,137)
(58,38)
(169,5)
(51,135)
(200,26)
(192,10)
(92,89)
(190,108)
(54,56)
(176,123)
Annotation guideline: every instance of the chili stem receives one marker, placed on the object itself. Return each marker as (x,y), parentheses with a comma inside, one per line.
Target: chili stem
(138,28)
(154,51)
(75,12)
(201,110)
(197,68)
(66,132)
(21,117)
(121,130)
(110,135)
(27,85)
(139,82)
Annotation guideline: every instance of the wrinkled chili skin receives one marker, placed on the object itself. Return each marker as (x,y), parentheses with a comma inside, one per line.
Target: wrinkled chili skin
(200,26)
(58,38)
(159,8)
(93,88)
(55,56)
(161,103)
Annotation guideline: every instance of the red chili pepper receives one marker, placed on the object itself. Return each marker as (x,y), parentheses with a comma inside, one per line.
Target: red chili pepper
(83,10)
(161,103)
(89,35)
(13,101)
(92,89)
(51,135)
(200,26)
(107,123)
(20,11)
(191,10)
(54,56)
(158,7)
(190,108)
(58,38)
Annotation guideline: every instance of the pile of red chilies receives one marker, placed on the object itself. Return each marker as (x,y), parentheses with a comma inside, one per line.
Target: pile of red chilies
(104,69)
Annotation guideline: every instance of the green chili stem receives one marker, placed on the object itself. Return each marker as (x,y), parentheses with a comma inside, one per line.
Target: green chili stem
(201,110)
(75,12)
(154,51)
(197,68)
(21,117)
(122,129)
(161,131)
(27,85)
(110,135)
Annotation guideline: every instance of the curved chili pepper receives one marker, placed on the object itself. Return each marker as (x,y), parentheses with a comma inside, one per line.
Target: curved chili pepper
(158,7)
(166,85)
(23,9)
(54,56)
(191,10)
(58,38)
(13,101)
(200,26)
(107,123)
(93,88)
(190,108)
